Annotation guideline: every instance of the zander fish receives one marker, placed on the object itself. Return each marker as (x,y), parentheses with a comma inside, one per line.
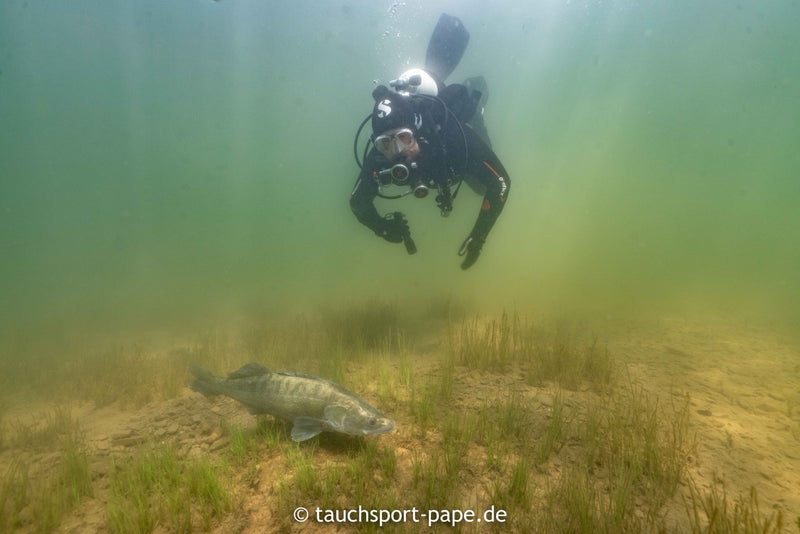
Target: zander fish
(313,404)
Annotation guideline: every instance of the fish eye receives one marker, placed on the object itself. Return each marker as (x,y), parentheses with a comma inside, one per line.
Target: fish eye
(372,422)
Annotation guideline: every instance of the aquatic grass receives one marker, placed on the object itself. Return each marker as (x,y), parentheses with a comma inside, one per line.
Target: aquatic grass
(282,344)
(578,501)
(205,488)
(628,437)
(272,432)
(485,346)
(333,337)
(65,490)
(713,512)
(437,311)
(620,453)
(514,418)
(513,492)
(305,484)
(367,475)
(370,472)
(155,487)
(507,421)
(435,481)
(76,477)
(554,434)
(388,394)
(556,355)
(598,365)
(507,427)
(139,488)
(387,463)
(136,372)
(405,375)
(15,490)
(445,380)
(386,370)
(305,480)
(543,354)
(458,430)
(632,457)
(516,440)
(422,405)
(577,504)
(620,457)
(332,364)
(364,327)
(437,475)
(464,448)
(129,375)
(38,501)
(53,425)
(364,476)
(243,443)
(133,375)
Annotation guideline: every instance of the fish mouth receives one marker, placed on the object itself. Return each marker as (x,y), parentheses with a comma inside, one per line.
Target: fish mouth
(387,426)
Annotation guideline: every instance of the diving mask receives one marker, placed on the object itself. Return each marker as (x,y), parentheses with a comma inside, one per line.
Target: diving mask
(394,143)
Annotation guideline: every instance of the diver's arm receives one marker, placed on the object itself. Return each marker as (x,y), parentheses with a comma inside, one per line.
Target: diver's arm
(489,171)
(362,204)
(362,201)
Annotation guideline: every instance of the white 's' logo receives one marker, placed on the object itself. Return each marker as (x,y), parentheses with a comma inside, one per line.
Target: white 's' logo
(384,108)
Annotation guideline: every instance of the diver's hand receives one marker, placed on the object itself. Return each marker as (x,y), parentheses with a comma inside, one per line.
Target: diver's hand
(471,249)
(394,229)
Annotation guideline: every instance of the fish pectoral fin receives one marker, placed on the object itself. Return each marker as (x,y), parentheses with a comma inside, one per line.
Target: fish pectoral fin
(335,416)
(306,428)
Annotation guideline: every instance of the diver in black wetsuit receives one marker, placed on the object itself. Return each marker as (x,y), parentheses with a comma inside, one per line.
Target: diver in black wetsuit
(423,139)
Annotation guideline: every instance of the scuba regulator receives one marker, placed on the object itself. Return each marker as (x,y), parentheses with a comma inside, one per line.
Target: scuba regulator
(398,174)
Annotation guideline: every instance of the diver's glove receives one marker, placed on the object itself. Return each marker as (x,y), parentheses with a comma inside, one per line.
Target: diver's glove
(393,228)
(471,249)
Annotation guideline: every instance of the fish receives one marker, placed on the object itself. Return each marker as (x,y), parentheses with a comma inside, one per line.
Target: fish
(311,403)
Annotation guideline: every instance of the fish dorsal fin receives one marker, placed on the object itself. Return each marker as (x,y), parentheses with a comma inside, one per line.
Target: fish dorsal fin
(251,369)
(335,415)
(306,428)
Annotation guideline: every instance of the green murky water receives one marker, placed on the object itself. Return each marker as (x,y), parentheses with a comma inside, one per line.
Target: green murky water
(184,163)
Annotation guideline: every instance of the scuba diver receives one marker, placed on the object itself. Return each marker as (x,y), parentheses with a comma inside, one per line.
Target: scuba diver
(430,136)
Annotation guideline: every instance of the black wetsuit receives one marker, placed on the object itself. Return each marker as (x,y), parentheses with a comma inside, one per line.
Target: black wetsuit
(449,151)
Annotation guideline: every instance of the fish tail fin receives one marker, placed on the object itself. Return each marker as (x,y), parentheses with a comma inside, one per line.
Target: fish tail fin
(205,383)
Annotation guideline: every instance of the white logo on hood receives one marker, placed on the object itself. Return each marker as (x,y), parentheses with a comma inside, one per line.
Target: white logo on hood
(384,108)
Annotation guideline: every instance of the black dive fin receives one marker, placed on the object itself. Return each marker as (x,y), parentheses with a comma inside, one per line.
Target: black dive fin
(446,47)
